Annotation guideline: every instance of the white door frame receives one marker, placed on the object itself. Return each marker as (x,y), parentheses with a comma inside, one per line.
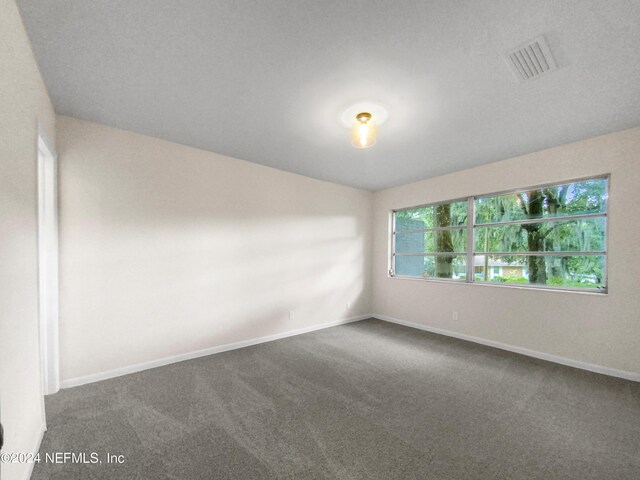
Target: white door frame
(48,263)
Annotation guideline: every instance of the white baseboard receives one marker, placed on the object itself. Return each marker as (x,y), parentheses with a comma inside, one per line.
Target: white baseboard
(73,382)
(523,351)
(96,377)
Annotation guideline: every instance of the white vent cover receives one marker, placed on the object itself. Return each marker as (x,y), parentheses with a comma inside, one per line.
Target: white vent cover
(531,60)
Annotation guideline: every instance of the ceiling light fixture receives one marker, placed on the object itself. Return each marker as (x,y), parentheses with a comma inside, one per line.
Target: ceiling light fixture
(363,119)
(363,132)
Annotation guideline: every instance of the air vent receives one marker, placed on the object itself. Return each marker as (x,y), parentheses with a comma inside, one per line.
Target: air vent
(531,60)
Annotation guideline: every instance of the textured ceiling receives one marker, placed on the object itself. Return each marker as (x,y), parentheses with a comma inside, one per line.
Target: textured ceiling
(266,81)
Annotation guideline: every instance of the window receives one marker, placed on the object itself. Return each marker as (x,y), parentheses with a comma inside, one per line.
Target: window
(431,241)
(552,236)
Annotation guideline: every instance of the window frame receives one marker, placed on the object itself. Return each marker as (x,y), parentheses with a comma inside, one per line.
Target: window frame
(472,225)
(434,229)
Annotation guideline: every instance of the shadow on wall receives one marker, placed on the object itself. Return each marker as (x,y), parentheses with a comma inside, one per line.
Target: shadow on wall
(167,249)
(143,287)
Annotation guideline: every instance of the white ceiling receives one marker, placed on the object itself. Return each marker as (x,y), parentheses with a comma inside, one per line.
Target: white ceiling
(267,81)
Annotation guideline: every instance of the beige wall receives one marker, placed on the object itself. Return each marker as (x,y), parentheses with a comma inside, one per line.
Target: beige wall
(167,249)
(23,101)
(592,328)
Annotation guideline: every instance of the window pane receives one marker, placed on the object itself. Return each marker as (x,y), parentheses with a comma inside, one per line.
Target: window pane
(431,266)
(451,240)
(445,215)
(586,235)
(587,197)
(410,266)
(450,214)
(419,242)
(580,271)
(414,219)
(444,241)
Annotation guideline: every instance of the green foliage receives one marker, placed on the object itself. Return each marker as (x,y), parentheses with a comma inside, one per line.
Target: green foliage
(510,279)
(558,201)
(561,282)
(428,215)
(562,235)
(558,233)
(552,282)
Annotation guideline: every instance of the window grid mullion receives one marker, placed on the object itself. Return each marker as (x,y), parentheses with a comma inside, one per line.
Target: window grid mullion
(433,229)
(471,239)
(529,221)
(552,253)
(430,254)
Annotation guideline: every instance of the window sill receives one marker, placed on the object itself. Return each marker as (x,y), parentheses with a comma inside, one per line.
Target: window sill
(594,292)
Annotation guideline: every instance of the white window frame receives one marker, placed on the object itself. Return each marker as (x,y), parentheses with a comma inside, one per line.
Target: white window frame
(472,225)
(434,229)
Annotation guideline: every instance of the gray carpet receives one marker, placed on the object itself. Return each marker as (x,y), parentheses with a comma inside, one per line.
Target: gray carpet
(368,400)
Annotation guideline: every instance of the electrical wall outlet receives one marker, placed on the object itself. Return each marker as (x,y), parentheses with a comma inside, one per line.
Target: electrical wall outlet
(454,316)
(290,314)
(348,305)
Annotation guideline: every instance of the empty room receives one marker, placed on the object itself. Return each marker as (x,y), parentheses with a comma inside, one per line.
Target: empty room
(327,239)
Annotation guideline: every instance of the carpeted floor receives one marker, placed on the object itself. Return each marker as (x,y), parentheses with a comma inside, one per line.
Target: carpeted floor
(368,400)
